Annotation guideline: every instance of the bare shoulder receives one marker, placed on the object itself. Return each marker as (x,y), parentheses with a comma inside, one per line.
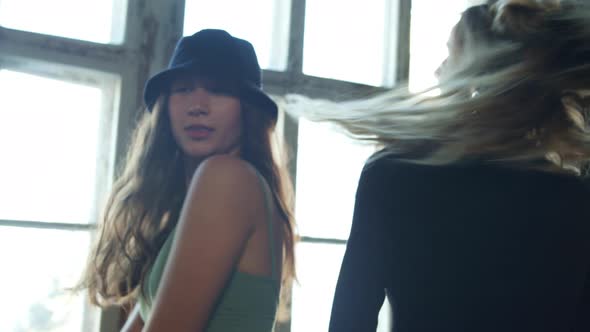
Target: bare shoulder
(215,224)
(225,181)
(225,170)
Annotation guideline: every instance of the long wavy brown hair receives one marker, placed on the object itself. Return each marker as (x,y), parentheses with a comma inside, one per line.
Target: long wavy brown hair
(515,93)
(145,202)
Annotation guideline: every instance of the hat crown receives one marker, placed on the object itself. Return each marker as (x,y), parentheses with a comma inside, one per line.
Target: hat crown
(216,54)
(231,56)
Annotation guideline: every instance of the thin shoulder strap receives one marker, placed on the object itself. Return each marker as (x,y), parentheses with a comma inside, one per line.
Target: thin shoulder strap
(268,204)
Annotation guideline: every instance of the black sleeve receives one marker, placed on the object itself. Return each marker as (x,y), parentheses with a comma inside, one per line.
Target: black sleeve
(583,314)
(360,290)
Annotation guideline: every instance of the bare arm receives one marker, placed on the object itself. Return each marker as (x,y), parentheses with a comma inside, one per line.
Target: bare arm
(134,322)
(215,223)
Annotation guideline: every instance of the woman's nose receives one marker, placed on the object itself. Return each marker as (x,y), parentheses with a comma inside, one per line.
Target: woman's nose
(439,70)
(199,102)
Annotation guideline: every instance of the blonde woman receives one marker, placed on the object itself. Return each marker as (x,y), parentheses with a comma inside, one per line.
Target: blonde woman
(474,215)
(198,231)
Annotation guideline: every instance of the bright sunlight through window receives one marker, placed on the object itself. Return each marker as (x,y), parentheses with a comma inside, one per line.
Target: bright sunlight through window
(96,21)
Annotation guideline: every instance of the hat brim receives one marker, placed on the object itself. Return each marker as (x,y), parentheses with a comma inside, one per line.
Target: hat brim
(248,92)
(258,98)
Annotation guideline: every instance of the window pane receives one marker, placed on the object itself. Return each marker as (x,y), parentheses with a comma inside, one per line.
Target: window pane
(264,23)
(318,266)
(37,267)
(49,140)
(347,40)
(91,20)
(328,167)
(432,22)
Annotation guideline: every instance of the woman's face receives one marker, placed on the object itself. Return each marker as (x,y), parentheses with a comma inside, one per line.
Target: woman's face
(205,116)
(453,48)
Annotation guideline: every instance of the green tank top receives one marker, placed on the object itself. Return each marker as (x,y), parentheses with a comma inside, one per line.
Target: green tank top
(248,303)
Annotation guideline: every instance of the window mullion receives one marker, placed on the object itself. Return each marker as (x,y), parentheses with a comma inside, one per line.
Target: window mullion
(402,65)
(46,225)
(310,239)
(153,28)
(296,39)
(70,52)
(290,125)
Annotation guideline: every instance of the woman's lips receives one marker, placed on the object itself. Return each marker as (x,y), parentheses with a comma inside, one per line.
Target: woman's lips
(198,132)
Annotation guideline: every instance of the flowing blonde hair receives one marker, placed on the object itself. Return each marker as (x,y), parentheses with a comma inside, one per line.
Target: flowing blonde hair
(147,197)
(515,94)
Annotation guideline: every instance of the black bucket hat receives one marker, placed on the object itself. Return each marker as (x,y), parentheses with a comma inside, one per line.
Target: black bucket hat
(217,54)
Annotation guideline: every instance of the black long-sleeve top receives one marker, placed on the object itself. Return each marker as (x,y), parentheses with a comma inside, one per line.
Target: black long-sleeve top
(466,248)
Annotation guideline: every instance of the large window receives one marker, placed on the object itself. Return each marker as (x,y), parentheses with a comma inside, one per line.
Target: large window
(54,142)
(95,21)
(265,23)
(39,266)
(328,163)
(60,77)
(71,89)
(328,167)
(432,22)
(49,140)
(353,43)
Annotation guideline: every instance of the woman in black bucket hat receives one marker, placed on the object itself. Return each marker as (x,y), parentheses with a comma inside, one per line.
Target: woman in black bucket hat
(198,230)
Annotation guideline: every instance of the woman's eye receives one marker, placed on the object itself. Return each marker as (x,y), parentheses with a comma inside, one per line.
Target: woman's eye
(222,90)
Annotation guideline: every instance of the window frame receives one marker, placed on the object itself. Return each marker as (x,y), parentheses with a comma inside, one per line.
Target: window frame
(151,30)
(119,69)
(293,80)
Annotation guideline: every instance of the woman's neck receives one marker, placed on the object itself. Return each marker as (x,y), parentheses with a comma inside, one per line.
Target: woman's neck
(190,166)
